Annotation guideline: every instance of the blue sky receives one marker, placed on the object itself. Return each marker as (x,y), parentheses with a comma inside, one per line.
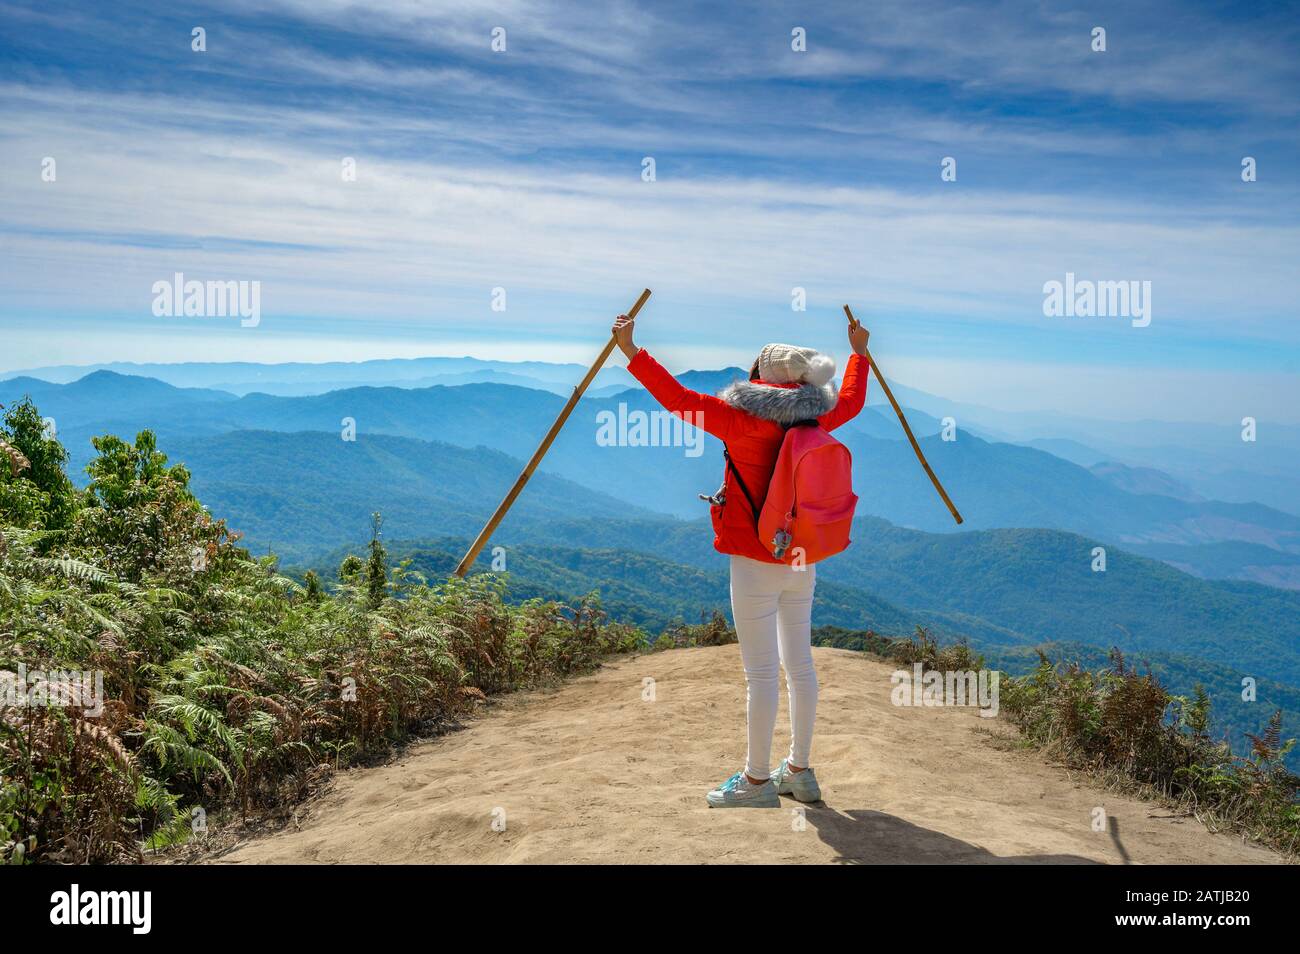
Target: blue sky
(775,169)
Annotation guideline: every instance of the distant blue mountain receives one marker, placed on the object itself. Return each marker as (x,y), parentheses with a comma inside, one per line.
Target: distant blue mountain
(302,378)
(105,395)
(994,484)
(102,392)
(304,493)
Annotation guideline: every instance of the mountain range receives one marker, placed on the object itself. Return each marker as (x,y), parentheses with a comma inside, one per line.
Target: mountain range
(995,483)
(1210,459)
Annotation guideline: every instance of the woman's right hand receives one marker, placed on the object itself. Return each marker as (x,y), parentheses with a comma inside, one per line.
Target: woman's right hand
(622,331)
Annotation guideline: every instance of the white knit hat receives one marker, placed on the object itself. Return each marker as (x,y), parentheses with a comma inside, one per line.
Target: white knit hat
(787,364)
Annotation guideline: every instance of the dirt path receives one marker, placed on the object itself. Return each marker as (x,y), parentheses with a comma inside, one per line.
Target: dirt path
(592,773)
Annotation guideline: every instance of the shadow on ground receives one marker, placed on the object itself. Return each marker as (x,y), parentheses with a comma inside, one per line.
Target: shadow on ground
(866,837)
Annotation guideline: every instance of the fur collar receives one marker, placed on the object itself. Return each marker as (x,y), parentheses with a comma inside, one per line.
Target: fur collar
(782,405)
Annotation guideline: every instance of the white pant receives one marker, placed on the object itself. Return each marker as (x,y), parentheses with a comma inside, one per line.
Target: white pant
(771,605)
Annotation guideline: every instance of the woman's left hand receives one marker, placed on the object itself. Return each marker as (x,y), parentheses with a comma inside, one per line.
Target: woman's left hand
(622,331)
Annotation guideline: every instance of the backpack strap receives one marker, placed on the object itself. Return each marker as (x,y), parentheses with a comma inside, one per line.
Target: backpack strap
(741,481)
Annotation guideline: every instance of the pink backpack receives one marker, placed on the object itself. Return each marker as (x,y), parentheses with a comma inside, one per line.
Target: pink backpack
(808,511)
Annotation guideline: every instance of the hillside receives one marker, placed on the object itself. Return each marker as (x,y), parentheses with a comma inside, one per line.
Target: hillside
(1040,583)
(1209,457)
(995,484)
(1228,560)
(1008,587)
(649,591)
(593,773)
(301,493)
(1143,480)
(1006,485)
(104,393)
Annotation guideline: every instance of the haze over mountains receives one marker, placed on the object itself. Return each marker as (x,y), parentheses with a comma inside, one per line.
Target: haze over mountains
(1209,460)
(302,378)
(996,483)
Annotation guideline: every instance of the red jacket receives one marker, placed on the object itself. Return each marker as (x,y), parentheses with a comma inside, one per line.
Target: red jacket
(751,420)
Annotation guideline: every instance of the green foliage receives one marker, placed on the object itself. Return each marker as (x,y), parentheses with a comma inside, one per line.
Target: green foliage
(34,489)
(376,565)
(923,648)
(350,569)
(712,630)
(1235,717)
(651,591)
(227,687)
(862,641)
(1124,724)
(141,521)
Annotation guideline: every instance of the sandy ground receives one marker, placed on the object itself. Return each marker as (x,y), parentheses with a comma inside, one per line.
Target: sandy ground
(592,772)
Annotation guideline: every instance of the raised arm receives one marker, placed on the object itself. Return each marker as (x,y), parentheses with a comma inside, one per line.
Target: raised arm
(853,389)
(853,394)
(713,414)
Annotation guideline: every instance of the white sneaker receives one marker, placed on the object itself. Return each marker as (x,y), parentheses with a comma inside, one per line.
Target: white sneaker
(738,792)
(802,785)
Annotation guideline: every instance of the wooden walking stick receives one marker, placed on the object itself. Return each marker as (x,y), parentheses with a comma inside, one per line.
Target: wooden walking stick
(481,540)
(884,386)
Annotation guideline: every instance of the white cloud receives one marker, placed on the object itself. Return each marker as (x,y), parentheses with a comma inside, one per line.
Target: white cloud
(450,203)
(408,232)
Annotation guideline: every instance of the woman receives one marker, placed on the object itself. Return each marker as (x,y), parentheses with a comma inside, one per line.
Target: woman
(771,603)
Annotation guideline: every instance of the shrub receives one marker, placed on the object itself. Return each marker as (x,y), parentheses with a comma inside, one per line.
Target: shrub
(867,641)
(227,686)
(923,648)
(711,631)
(1123,724)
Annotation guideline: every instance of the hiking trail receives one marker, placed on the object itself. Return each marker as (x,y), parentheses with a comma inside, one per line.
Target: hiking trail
(590,772)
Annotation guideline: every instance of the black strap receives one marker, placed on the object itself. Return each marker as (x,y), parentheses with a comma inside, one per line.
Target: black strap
(741,481)
(809,422)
